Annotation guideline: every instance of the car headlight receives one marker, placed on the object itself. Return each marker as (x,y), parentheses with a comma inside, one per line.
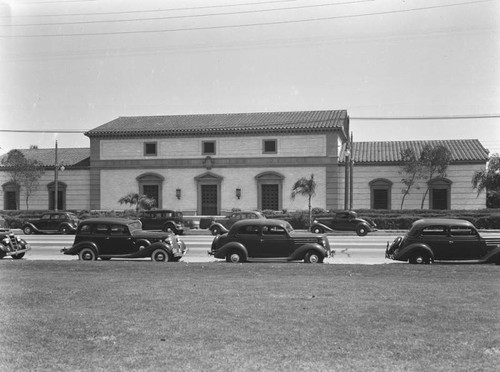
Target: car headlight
(168,241)
(5,241)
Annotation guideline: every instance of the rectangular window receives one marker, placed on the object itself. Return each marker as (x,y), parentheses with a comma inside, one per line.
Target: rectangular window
(380,199)
(150,149)
(208,148)
(270,146)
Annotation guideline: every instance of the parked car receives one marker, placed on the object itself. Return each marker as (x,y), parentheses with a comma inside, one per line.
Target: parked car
(344,221)
(269,238)
(222,225)
(52,222)
(107,238)
(10,244)
(163,219)
(433,239)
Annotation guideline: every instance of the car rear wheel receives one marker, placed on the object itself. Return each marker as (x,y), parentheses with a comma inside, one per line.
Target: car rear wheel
(234,256)
(87,254)
(313,257)
(361,230)
(160,255)
(317,230)
(420,258)
(64,230)
(27,230)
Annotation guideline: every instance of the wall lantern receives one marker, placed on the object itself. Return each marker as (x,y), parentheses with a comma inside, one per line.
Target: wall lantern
(178,193)
(238,193)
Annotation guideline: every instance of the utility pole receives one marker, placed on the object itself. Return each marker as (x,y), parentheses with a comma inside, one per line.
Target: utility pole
(347,161)
(56,181)
(351,175)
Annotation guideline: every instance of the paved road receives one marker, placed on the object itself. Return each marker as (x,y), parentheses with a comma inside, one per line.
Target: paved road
(350,249)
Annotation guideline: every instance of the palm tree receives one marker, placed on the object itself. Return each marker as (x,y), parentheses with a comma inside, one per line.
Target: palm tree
(488,179)
(140,201)
(305,187)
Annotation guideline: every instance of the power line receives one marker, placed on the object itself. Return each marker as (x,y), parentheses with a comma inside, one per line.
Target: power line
(272,23)
(192,15)
(149,10)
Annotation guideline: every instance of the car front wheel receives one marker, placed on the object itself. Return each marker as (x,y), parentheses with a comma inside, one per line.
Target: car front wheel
(64,230)
(18,256)
(87,254)
(234,256)
(420,258)
(159,255)
(215,231)
(27,230)
(313,257)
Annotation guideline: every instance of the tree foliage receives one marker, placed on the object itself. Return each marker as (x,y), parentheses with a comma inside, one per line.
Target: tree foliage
(488,180)
(24,172)
(411,170)
(434,162)
(305,187)
(140,201)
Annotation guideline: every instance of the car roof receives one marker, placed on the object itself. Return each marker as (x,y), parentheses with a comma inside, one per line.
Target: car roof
(114,220)
(442,221)
(159,210)
(261,222)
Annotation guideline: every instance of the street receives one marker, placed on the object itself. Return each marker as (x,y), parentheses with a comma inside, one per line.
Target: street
(349,249)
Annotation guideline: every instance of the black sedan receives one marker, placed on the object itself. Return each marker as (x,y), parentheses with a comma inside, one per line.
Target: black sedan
(269,239)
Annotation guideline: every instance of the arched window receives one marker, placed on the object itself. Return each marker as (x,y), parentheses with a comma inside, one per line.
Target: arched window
(151,185)
(10,196)
(380,193)
(439,193)
(61,195)
(270,191)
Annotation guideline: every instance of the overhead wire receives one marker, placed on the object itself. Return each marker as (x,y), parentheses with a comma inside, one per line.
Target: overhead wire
(270,23)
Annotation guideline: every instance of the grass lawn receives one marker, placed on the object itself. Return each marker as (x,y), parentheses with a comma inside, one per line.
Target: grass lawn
(139,315)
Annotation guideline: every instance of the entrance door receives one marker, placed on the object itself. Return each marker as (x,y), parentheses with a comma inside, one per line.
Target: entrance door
(209,200)
(270,197)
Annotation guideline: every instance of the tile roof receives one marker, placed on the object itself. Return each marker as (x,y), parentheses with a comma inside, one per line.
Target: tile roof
(387,151)
(67,156)
(219,124)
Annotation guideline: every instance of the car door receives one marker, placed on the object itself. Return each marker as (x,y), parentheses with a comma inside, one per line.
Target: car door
(465,242)
(120,241)
(44,222)
(100,237)
(276,242)
(436,237)
(250,236)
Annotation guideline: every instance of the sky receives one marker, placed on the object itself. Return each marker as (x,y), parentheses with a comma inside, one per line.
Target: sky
(403,69)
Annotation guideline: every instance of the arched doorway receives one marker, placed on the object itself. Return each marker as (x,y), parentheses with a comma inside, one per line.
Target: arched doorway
(208,187)
(270,191)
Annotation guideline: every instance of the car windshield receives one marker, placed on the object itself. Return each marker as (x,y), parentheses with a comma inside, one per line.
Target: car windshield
(288,227)
(135,225)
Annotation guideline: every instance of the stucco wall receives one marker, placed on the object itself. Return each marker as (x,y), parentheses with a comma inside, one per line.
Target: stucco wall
(116,183)
(77,191)
(462,194)
(186,148)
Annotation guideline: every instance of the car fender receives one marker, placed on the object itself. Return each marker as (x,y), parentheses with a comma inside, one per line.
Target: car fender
(405,252)
(70,226)
(79,246)
(300,252)
(35,229)
(221,227)
(157,245)
(222,251)
(321,225)
(493,255)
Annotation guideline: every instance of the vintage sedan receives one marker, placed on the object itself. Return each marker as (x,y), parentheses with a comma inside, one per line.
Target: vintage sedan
(107,238)
(163,219)
(269,239)
(447,240)
(52,222)
(10,244)
(344,221)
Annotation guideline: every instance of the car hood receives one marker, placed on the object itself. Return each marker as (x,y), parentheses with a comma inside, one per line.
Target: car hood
(300,234)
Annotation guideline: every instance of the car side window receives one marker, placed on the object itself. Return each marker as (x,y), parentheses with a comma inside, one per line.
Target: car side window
(86,230)
(434,231)
(119,230)
(100,229)
(46,217)
(249,230)
(462,231)
(273,230)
